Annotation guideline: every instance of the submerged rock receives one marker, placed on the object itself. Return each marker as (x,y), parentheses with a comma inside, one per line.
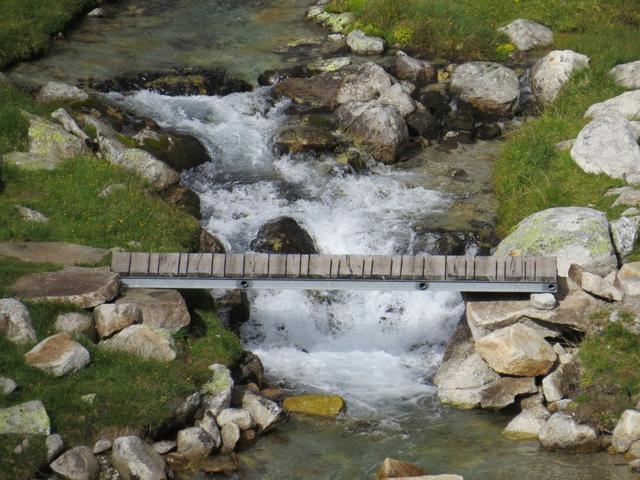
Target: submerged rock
(527,35)
(553,71)
(58,355)
(283,235)
(392,468)
(317,405)
(28,418)
(79,463)
(15,322)
(317,92)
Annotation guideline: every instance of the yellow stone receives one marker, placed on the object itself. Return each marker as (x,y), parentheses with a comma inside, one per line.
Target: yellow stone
(318,405)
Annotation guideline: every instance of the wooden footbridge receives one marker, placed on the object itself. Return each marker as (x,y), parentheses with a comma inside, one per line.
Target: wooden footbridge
(336,272)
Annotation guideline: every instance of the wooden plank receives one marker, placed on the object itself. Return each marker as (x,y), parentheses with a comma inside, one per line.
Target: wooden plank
(200,265)
(277,266)
(293,266)
(320,266)
(471,269)
(368,267)
(219,262)
(381,267)
(412,267)
(304,265)
(336,261)
(351,266)
(256,265)
(396,267)
(235,266)
(456,267)
(514,269)
(154,264)
(169,263)
(139,264)
(184,264)
(435,268)
(120,262)
(529,269)
(501,268)
(547,269)
(484,269)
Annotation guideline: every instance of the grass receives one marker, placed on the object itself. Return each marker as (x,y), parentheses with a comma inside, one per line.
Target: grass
(26,26)
(610,380)
(69,196)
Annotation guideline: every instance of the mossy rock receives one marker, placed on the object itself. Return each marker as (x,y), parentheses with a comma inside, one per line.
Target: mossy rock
(316,405)
(180,152)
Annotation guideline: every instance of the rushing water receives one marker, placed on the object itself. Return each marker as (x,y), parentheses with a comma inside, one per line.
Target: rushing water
(378,350)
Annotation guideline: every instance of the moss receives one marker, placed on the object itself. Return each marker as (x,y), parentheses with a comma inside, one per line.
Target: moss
(127,141)
(316,405)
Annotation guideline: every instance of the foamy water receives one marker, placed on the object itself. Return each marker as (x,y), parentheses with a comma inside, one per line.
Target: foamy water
(371,347)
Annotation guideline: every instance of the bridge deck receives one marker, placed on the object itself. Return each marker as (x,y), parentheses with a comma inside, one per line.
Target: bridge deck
(336,272)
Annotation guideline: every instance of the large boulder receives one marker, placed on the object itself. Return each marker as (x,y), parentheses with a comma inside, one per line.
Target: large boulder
(505,391)
(528,423)
(554,70)
(111,318)
(79,463)
(362,44)
(609,145)
(398,97)
(377,128)
(145,164)
(413,69)
(628,278)
(135,460)
(573,234)
(51,140)
(283,235)
(463,375)
(517,350)
(489,87)
(266,414)
(58,355)
(82,287)
(28,418)
(15,322)
(626,104)
(627,431)
(318,405)
(562,432)
(627,75)
(302,138)
(53,252)
(594,284)
(317,92)
(367,82)
(61,92)
(527,35)
(160,308)
(144,341)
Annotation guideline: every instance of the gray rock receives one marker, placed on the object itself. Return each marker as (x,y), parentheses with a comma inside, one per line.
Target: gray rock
(368,82)
(230,436)
(553,385)
(111,189)
(625,235)
(60,253)
(136,460)
(627,75)
(159,174)
(330,64)
(527,35)
(528,423)
(217,392)
(463,375)
(635,466)
(397,97)
(489,87)
(554,70)
(32,161)
(516,350)
(414,70)
(7,386)
(30,215)
(194,443)
(101,446)
(594,284)
(266,414)
(28,418)
(15,322)
(627,431)
(51,140)
(562,432)
(573,234)
(504,392)
(626,105)
(208,424)
(143,341)
(362,44)
(82,287)
(160,308)
(236,415)
(609,145)
(628,197)
(68,123)
(61,92)
(54,445)
(543,301)
(165,446)
(634,450)
(111,318)
(628,278)
(79,463)
(58,355)
(96,13)
(74,323)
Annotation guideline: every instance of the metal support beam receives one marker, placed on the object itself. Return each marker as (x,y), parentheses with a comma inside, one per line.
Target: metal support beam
(333,284)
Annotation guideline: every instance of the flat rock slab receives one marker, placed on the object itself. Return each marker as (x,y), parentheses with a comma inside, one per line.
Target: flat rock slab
(53,252)
(83,287)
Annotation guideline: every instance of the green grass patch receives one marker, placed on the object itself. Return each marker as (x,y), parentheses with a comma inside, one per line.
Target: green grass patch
(69,196)
(26,26)
(23,466)
(213,341)
(610,380)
